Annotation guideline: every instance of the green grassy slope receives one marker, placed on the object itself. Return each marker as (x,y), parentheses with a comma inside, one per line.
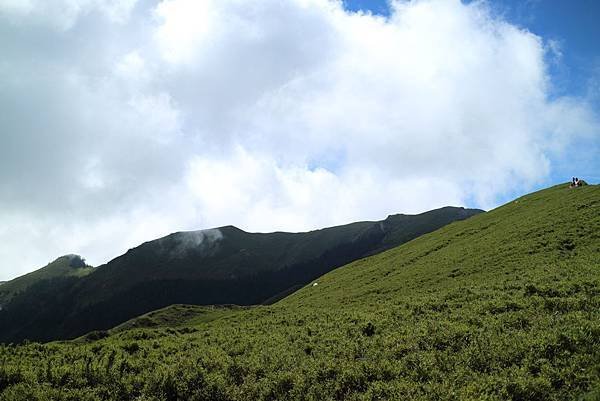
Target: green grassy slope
(64,266)
(175,316)
(503,306)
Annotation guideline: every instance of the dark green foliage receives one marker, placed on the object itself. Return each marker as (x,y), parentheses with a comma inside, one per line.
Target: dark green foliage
(368,330)
(507,324)
(77,262)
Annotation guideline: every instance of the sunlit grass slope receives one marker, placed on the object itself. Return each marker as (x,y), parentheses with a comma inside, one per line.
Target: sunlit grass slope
(175,316)
(503,306)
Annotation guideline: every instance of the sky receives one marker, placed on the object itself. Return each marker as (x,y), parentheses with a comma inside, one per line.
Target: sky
(125,120)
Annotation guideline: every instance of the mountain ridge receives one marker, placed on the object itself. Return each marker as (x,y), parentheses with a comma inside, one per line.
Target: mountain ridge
(224,265)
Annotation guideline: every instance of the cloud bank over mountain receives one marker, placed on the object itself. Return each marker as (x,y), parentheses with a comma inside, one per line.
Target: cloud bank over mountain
(126,120)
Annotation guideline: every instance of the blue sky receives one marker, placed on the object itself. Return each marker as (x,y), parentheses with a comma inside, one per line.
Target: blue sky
(574,25)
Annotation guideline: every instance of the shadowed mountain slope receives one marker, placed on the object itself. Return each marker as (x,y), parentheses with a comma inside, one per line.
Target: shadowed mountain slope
(218,266)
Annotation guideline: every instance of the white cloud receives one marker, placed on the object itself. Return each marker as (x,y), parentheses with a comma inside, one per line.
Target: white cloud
(18,7)
(62,14)
(186,25)
(132,67)
(178,115)
(259,194)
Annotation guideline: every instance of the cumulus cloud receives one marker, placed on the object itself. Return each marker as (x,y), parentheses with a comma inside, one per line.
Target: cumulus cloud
(63,14)
(124,120)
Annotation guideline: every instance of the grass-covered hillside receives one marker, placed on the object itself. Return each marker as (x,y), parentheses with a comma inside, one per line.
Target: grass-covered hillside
(502,306)
(65,266)
(210,267)
(173,316)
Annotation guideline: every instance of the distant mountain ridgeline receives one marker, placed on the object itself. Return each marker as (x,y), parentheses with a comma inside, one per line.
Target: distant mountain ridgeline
(209,267)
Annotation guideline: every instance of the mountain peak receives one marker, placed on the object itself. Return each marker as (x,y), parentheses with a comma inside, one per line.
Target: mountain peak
(73,260)
(66,266)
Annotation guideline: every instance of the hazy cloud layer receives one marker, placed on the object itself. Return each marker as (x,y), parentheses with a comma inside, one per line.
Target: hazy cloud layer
(123,121)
